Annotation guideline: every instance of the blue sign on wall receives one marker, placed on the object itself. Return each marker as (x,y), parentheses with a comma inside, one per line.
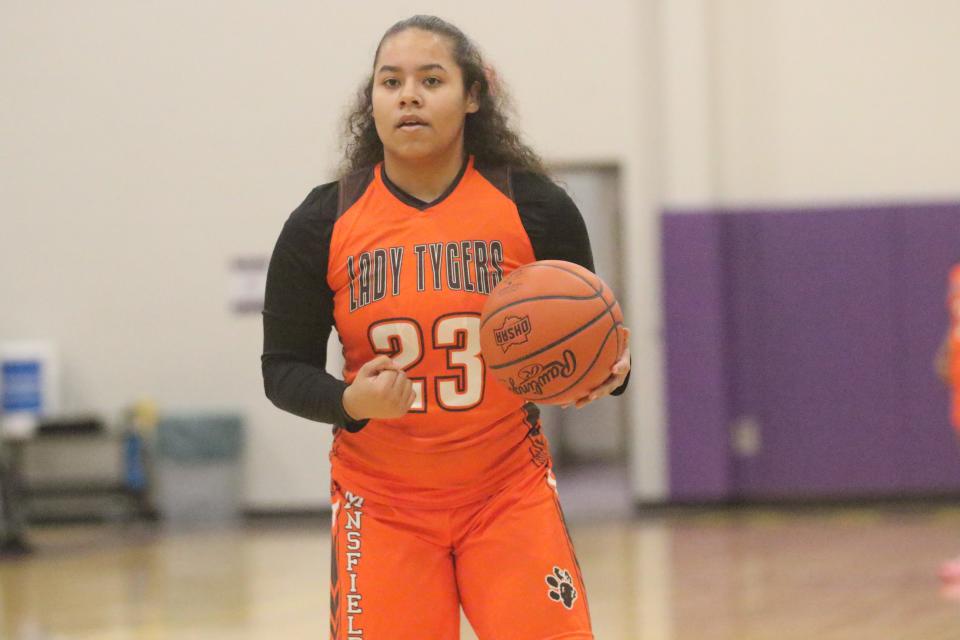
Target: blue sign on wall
(21,386)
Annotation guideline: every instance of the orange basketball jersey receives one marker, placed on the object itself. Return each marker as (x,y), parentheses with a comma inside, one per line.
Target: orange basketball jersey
(410,284)
(408,279)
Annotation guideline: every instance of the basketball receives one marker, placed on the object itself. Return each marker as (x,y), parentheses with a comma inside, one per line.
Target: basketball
(551,331)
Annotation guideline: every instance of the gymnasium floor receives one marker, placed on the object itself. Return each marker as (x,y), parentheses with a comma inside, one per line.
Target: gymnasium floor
(708,575)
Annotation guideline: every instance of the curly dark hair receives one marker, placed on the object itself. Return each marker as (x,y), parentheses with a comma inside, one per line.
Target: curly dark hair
(487,133)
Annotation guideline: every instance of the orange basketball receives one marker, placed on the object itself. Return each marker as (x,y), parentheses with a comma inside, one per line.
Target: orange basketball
(551,331)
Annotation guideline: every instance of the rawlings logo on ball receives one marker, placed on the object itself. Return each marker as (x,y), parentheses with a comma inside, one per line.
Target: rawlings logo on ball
(534,377)
(514,330)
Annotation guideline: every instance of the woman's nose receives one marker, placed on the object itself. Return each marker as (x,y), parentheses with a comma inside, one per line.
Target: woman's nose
(409,94)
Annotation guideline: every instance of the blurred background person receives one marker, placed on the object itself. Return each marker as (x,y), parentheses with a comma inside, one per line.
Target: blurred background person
(947,365)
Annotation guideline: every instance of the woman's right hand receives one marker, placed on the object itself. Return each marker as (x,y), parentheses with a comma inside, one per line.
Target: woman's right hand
(380,390)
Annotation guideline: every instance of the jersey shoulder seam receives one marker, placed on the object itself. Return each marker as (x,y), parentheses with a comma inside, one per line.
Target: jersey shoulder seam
(351,187)
(501,177)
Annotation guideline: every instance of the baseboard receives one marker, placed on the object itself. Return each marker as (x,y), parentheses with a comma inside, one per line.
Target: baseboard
(291,513)
(803,503)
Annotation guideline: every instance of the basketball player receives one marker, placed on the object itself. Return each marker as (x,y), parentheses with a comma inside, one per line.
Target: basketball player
(442,490)
(948,367)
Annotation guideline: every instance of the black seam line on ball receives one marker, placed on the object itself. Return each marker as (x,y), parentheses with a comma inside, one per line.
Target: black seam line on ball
(588,370)
(551,297)
(534,265)
(597,293)
(554,343)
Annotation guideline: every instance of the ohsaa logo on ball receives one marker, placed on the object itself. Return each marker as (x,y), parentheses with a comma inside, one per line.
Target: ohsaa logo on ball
(514,330)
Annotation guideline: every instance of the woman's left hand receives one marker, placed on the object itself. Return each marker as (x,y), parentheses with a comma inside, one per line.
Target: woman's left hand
(618,373)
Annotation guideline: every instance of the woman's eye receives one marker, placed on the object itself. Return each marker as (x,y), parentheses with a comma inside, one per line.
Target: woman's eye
(432,81)
(392,83)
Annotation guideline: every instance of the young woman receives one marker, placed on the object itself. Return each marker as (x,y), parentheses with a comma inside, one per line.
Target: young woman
(442,490)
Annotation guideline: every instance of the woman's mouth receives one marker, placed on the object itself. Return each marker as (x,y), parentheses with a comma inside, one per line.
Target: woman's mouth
(411,123)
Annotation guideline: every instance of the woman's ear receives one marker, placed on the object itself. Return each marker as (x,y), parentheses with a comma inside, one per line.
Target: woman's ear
(473,98)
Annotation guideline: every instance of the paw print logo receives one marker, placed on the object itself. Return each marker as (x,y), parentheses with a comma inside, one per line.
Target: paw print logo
(561,587)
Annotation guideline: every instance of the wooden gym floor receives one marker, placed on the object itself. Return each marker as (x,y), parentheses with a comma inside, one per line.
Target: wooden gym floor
(744,575)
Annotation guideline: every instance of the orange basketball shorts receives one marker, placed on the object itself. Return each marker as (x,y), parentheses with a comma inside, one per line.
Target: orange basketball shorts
(400,573)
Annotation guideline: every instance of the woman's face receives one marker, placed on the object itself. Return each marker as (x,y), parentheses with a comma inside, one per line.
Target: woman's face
(419,104)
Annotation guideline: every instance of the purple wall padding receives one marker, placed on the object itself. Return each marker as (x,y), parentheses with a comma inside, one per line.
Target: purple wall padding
(824,342)
(696,379)
(820,326)
(930,245)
